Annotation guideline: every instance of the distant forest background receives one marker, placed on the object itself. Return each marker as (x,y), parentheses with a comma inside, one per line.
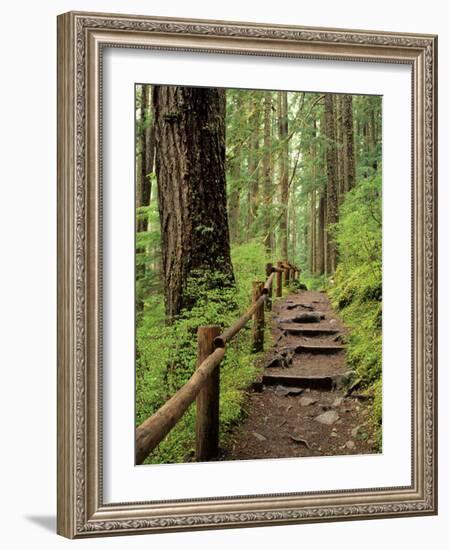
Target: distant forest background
(300,181)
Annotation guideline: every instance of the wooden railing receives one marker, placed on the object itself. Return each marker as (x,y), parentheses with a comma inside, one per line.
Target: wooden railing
(204,384)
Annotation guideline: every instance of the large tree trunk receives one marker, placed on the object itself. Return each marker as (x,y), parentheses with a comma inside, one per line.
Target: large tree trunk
(283,135)
(267,172)
(190,169)
(332,192)
(348,143)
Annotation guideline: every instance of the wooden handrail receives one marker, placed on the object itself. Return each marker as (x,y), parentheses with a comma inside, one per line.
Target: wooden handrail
(228,334)
(204,382)
(268,283)
(153,430)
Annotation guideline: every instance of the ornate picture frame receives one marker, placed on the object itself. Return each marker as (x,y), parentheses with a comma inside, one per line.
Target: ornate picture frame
(82,38)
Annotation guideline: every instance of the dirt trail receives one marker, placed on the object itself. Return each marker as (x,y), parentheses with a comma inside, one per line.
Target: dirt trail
(298,407)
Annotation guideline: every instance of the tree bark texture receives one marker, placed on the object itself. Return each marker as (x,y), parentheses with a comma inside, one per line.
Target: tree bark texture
(234,200)
(267,172)
(235,167)
(283,138)
(313,224)
(321,242)
(341,151)
(146,140)
(190,169)
(332,182)
(253,165)
(348,143)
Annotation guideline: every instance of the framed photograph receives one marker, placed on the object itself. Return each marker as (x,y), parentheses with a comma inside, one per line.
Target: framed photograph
(246,274)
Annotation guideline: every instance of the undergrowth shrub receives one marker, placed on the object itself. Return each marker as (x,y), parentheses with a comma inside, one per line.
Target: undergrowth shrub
(356,289)
(166,354)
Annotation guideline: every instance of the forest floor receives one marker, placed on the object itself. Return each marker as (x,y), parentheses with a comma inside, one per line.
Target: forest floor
(300,406)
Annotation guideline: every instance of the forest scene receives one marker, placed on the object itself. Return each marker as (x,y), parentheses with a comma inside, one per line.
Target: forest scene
(258,274)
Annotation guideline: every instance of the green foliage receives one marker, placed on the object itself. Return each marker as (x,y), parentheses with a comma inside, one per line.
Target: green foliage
(314,282)
(148,254)
(166,354)
(377,411)
(357,285)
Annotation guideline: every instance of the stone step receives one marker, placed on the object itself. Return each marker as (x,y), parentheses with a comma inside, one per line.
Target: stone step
(310,331)
(324,349)
(313,382)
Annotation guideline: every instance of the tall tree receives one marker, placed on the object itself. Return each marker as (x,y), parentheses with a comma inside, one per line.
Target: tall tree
(234,200)
(253,162)
(140,148)
(312,194)
(190,170)
(234,166)
(332,183)
(283,172)
(267,172)
(321,235)
(338,116)
(145,137)
(348,143)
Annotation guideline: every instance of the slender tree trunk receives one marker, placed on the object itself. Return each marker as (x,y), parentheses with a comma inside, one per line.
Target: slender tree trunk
(312,241)
(332,190)
(348,143)
(234,201)
(149,161)
(146,161)
(283,134)
(141,147)
(338,107)
(253,165)
(267,172)
(293,226)
(321,244)
(190,169)
(234,195)
(313,228)
(373,135)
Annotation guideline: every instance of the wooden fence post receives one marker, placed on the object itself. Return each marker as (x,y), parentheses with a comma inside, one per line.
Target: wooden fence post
(269,270)
(287,275)
(258,319)
(208,399)
(279,280)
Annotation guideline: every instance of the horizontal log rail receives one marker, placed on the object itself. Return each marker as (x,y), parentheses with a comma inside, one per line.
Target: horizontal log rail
(153,430)
(268,283)
(203,385)
(228,334)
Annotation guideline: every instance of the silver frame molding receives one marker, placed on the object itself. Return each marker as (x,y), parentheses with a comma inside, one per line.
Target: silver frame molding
(81,37)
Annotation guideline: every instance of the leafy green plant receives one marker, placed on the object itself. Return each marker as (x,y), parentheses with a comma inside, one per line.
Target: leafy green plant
(356,290)
(166,354)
